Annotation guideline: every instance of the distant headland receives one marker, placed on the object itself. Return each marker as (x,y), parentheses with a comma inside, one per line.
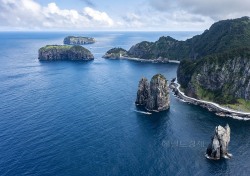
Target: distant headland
(221,36)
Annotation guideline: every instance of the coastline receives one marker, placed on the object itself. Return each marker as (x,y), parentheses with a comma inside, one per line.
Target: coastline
(142,60)
(211,106)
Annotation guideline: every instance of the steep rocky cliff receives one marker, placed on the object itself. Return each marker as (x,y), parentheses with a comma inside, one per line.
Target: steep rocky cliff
(218,146)
(153,96)
(223,78)
(221,36)
(72,40)
(64,52)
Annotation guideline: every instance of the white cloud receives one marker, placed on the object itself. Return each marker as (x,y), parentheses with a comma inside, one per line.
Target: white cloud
(147,18)
(102,17)
(133,20)
(28,14)
(144,15)
(215,9)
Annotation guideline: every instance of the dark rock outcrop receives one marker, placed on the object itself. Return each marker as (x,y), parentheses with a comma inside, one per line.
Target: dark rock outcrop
(219,143)
(153,96)
(64,52)
(143,92)
(72,40)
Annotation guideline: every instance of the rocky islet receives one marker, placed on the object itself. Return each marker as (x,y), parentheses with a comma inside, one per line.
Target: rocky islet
(64,52)
(154,96)
(73,40)
(218,146)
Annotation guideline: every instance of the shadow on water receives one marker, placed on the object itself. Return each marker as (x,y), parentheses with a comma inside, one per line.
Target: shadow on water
(155,123)
(65,61)
(216,167)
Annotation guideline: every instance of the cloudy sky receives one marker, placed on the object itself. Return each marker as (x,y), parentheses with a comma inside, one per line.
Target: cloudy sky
(142,15)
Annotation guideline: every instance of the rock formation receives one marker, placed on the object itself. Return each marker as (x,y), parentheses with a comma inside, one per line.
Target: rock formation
(153,96)
(219,143)
(143,92)
(72,40)
(64,52)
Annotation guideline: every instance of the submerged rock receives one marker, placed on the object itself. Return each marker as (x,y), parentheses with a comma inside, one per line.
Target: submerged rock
(153,96)
(219,143)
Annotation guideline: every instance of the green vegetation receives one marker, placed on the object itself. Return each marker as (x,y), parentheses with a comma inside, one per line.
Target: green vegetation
(159,76)
(116,51)
(222,36)
(55,47)
(240,105)
(63,48)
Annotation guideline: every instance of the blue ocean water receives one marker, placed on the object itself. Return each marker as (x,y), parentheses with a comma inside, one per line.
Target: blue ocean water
(79,118)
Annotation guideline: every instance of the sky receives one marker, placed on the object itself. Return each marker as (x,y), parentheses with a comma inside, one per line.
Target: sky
(117,15)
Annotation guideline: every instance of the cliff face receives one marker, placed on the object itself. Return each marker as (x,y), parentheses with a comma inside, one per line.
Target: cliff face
(62,52)
(72,40)
(219,143)
(221,36)
(221,78)
(143,92)
(154,96)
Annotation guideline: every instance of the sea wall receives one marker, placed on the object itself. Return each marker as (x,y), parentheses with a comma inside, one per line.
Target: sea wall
(219,110)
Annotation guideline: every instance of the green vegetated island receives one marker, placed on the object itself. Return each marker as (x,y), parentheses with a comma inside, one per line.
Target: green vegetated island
(214,66)
(64,52)
(72,40)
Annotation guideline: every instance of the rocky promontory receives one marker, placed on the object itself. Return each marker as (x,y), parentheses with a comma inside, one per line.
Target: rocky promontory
(219,143)
(153,96)
(116,53)
(222,78)
(64,52)
(72,40)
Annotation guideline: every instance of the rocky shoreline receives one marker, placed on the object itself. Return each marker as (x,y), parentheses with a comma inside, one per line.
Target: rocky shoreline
(122,54)
(213,107)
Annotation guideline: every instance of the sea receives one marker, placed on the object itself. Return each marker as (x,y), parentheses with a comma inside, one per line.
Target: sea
(67,118)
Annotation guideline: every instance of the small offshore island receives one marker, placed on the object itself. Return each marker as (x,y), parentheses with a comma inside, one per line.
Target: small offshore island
(64,52)
(72,40)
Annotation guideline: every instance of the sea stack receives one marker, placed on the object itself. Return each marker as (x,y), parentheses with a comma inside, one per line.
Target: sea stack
(219,143)
(153,96)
